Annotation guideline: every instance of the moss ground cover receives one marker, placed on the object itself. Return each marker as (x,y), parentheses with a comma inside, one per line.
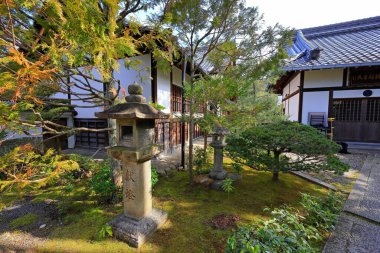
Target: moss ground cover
(189,207)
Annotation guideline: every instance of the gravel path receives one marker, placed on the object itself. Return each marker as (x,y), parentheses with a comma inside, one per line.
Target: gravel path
(358,228)
(24,238)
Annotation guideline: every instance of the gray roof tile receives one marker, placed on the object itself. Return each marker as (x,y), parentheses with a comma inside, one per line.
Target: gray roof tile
(348,44)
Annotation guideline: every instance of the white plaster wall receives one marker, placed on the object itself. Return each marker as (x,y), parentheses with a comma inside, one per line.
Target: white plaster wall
(295,83)
(315,102)
(323,78)
(177,76)
(292,86)
(141,75)
(85,109)
(285,91)
(354,93)
(163,89)
(293,107)
(127,75)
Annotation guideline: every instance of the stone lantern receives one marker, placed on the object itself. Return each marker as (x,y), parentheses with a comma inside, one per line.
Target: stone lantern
(135,123)
(218,143)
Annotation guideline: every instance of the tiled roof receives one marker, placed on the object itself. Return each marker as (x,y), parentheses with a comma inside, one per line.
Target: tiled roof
(348,44)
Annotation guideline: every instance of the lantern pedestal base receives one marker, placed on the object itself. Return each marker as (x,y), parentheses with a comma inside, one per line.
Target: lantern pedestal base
(137,232)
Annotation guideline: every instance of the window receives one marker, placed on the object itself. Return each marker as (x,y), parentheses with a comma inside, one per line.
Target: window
(347,109)
(176,100)
(373,110)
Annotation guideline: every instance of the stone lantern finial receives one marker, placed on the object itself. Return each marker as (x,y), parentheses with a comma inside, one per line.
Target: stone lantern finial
(135,94)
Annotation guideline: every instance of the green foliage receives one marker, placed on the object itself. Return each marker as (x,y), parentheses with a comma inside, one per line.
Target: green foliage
(202,159)
(237,167)
(25,220)
(322,213)
(85,163)
(227,186)
(23,167)
(102,182)
(284,232)
(157,106)
(154,176)
(287,230)
(265,147)
(105,231)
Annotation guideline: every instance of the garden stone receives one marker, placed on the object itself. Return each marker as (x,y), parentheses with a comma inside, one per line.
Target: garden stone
(217,185)
(234,176)
(135,121)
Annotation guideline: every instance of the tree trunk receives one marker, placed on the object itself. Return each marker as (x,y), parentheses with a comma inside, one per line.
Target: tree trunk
(191,120)
(276,169)
(115,171)
(275,176)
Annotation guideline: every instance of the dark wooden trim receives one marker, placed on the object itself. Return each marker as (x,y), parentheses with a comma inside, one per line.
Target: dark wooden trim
(171,89)
(285,79)
(153,73)
(344,81)
(291,95)
(300,102)
(330,110)
(341,88)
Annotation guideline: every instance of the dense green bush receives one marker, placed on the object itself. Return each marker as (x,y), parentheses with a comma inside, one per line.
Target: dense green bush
(202,159)
(268,147)
(322,213)
(102,182)
(284,232)
(154,176)
(287,230)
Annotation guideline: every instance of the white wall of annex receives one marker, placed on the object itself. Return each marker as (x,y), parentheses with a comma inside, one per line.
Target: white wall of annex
(315,102)
(163,89)
(323,78)
(295,83)
(293,107)
(354,93)
(292,86)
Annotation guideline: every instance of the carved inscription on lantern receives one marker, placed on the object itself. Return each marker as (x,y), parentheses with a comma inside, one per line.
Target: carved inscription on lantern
(129,177)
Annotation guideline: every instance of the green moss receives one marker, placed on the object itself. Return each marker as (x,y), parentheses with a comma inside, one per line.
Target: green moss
(189,208)
(25,220)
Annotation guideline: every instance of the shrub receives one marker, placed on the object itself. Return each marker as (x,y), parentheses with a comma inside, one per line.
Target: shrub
(105,231)
(227,186)
(154,176)
(287,230)
(102,182)
(237,167)
(322,213)
(265,147)
(284,232)
(24,167)
(86,164)
(202,159)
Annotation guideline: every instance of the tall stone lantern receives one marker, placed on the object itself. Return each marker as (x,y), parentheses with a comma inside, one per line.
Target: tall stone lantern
(218,143)
(135,122)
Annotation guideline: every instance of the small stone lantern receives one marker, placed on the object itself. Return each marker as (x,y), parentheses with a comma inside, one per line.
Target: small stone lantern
(218,143)
(135,123)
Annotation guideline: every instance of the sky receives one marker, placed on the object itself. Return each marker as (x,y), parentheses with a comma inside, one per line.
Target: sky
(305,13)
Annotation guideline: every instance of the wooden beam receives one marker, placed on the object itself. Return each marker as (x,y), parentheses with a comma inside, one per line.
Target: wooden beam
(291,95)
(300,102)
(153,73)
(344,81)
(367,87)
